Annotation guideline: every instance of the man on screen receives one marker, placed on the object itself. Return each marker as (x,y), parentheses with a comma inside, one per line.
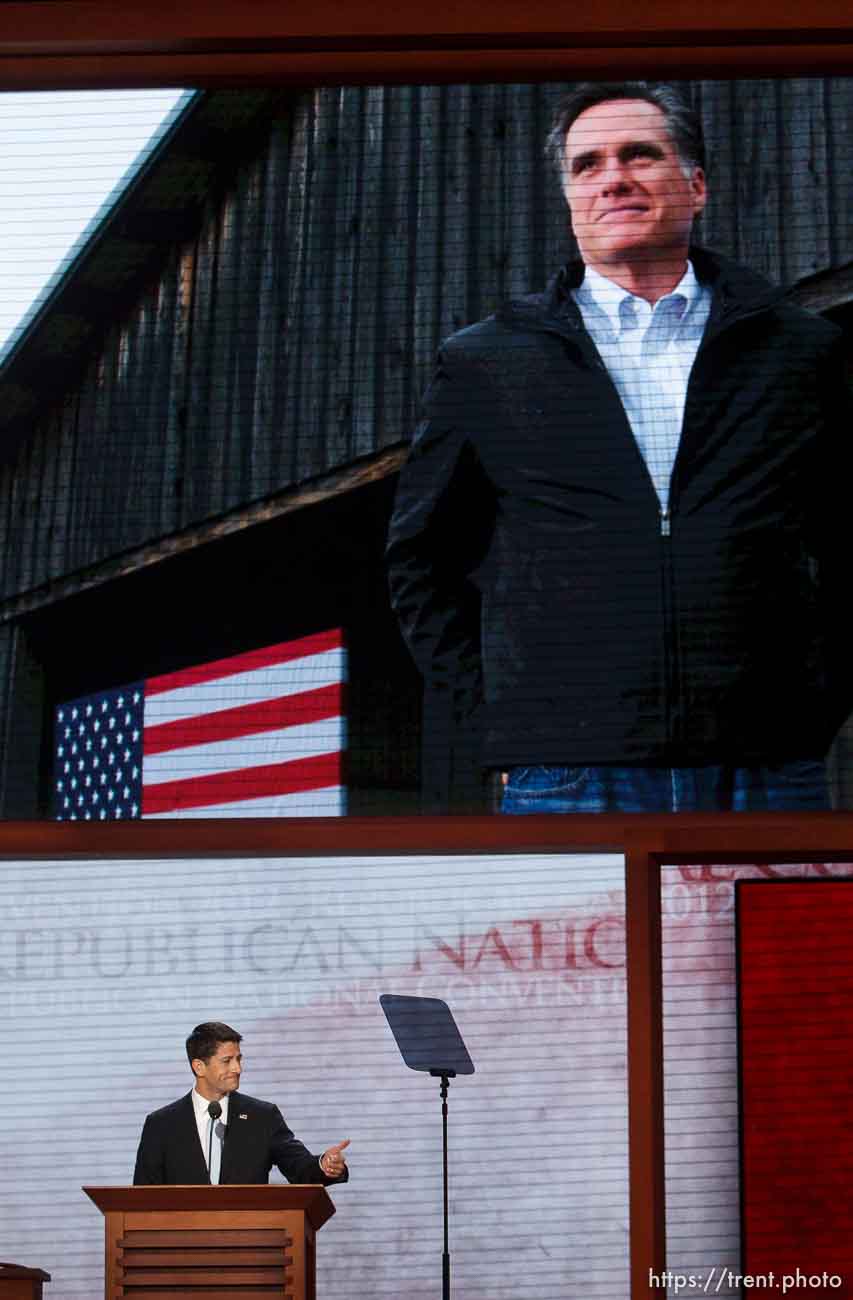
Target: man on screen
(216,1134)
(621,522)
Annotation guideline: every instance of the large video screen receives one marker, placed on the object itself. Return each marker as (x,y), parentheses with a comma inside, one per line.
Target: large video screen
(538,392)
(105,967)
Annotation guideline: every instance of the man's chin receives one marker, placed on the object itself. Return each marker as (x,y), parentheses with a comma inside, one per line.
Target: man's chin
(618,251)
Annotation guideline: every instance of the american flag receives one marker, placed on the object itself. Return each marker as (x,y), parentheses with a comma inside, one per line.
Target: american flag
(260,734)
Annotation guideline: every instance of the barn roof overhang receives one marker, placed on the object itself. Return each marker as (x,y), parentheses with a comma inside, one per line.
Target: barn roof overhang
(158,206)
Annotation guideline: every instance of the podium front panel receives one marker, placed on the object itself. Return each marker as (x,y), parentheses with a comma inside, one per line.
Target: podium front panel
(210,1255)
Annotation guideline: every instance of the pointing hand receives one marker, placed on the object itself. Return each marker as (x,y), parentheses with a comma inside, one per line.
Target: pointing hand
(332,1161)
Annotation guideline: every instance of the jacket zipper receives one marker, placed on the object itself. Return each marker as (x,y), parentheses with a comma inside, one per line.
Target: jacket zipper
(670,655)
(671,666)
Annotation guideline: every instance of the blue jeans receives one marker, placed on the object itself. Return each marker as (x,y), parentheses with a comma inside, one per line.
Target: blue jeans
(794,786)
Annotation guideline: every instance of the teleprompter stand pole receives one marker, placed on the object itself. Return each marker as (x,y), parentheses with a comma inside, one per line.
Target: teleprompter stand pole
(429,1040)
(445,1259)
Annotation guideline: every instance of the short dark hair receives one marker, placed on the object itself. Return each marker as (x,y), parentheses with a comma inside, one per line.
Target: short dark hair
(684,123)
(205,1038)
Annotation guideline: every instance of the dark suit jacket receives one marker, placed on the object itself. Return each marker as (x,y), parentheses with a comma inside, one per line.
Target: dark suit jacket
(256,1139)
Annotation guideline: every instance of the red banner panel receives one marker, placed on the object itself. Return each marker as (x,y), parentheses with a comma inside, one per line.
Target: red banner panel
(795,999)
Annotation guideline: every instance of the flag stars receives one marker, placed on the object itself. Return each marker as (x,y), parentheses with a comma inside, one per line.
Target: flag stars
(98,756)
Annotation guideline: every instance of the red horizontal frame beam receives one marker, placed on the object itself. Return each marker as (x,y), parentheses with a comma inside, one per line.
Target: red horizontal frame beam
(157,24)
(682,838)
(98,43)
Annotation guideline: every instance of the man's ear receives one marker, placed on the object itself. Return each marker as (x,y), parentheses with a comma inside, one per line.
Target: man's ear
(700,190)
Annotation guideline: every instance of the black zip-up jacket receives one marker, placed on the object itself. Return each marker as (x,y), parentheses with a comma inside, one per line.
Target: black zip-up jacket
(607,632)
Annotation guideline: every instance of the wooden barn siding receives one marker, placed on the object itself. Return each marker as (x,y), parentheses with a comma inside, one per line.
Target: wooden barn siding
(296,332)
(8,632)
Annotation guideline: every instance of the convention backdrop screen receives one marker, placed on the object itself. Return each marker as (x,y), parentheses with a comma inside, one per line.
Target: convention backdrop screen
(105,966)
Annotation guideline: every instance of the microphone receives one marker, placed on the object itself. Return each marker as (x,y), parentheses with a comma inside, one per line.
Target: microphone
(214,1110)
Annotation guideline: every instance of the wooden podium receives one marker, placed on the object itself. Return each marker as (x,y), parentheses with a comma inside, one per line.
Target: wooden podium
(235,1241)
(17,1283)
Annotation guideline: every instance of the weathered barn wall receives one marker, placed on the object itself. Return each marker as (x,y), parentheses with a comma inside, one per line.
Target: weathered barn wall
(7,645)
(295,332)
(21,724)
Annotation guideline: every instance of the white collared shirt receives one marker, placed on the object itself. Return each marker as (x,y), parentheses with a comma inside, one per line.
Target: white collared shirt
(649,353)
(202,1118)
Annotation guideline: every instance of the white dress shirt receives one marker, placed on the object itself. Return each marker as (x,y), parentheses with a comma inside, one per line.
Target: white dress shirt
(203,1120)
(649,353)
